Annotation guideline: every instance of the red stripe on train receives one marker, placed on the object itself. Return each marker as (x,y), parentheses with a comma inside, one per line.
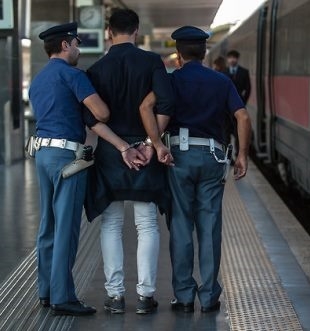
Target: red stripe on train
(292,98)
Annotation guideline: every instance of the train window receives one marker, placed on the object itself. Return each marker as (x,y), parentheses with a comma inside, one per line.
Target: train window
(292,48)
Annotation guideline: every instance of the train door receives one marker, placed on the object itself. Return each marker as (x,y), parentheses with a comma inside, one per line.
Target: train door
(265,68)
(261,81)
(271,150)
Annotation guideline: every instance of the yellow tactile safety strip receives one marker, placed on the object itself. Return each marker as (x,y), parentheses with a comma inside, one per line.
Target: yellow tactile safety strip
(256,301)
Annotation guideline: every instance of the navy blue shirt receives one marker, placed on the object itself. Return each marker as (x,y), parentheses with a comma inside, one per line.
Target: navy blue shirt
(204,98)
(56,94)
(123,78)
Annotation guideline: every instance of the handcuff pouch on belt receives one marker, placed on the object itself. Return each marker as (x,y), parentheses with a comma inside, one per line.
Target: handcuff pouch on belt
(30,148)
(183,136)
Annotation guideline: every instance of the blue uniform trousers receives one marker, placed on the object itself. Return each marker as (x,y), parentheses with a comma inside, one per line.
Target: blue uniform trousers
(61,209)
(197,193)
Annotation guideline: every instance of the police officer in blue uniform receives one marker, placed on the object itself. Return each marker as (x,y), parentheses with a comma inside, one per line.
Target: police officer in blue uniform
(57,94)
(203,98)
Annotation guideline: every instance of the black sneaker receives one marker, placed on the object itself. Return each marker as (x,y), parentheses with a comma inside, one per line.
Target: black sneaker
(146,305)
(180,306)
(115,305)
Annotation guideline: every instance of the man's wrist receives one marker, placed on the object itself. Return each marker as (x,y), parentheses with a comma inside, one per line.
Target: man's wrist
(148,142)
(243,153)
(155,144)
(124,148)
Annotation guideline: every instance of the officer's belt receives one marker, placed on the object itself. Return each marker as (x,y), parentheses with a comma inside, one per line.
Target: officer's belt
(60,143)
(194,141)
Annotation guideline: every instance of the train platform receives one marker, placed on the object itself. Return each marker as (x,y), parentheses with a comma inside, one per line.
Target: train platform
(265,269)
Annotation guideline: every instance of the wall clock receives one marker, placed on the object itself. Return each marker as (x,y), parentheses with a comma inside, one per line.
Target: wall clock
(90,17)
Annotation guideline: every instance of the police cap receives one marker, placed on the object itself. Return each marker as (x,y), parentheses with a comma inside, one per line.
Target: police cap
(190,34)
(68,29)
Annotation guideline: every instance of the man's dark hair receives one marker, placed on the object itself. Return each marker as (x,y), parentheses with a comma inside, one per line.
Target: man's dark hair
(192,51)
(53,46)
(124,21)
(220,63)
(233,53)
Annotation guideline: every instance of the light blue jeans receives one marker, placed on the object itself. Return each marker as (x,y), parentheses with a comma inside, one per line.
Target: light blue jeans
(147,252)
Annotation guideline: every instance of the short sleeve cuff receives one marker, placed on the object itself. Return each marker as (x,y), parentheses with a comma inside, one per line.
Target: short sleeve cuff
(89,119)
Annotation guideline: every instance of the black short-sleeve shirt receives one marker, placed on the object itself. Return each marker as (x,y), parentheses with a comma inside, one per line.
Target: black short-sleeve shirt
(123,78)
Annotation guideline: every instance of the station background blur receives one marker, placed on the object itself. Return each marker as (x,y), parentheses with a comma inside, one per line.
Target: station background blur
(22,54)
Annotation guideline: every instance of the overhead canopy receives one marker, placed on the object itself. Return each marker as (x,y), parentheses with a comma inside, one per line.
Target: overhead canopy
(158,17)
(165,15)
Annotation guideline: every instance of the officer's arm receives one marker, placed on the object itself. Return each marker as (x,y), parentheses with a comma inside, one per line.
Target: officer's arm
(98,107)
(162,122)
(244,136)
(162,88)
(154,127)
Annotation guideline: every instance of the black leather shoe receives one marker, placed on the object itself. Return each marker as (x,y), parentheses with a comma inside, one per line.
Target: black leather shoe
(45,302)
(211,309)
(180,306)
(77,308)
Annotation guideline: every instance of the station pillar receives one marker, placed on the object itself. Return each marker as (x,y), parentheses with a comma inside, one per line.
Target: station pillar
(11,114)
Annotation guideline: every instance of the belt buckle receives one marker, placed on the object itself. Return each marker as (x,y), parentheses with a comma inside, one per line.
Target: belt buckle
(63,143)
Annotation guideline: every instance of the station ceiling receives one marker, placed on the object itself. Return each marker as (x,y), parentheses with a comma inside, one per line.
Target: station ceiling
(174,13)
(159,16)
